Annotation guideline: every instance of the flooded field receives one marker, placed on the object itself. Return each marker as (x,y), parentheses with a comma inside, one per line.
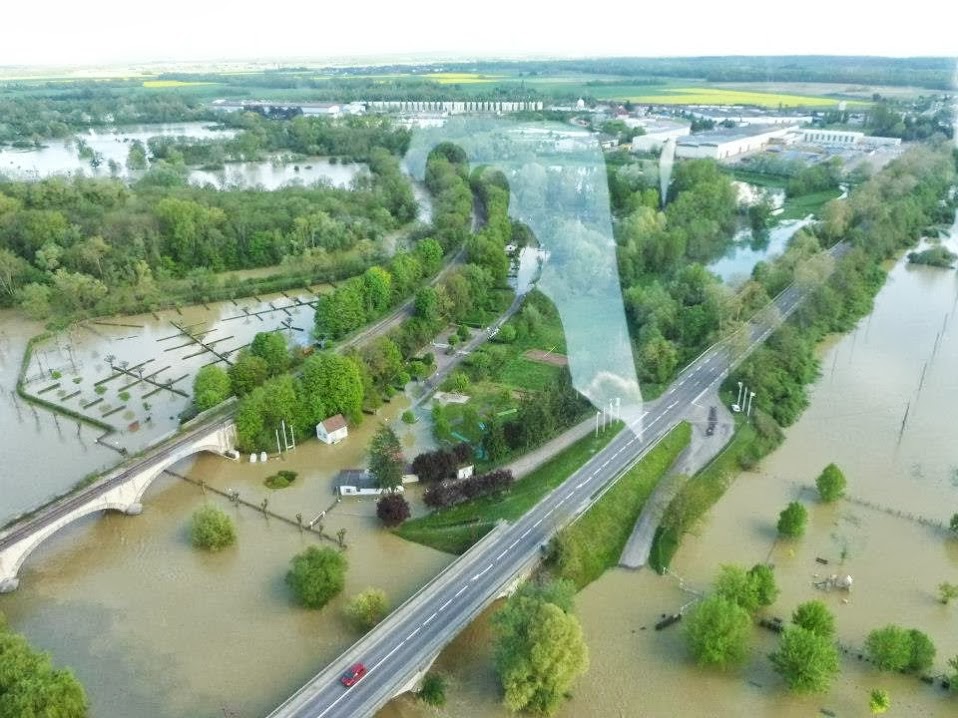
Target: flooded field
(747,250)
(111,147)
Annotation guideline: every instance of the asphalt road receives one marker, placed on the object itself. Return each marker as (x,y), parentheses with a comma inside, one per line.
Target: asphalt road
(411,637)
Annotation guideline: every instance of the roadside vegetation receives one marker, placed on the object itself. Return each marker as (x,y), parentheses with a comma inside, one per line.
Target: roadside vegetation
(367,608)
(583,551)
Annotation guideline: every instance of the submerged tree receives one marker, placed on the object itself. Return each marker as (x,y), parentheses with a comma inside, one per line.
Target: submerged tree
(792,520)
(717,631)
(806,661)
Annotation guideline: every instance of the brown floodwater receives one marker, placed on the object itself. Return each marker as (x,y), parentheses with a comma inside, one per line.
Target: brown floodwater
(155,628)
(869,378)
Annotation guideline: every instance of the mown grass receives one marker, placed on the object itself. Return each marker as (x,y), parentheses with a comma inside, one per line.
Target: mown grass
(455,529)
(801,207)
(522,373)
(583,551)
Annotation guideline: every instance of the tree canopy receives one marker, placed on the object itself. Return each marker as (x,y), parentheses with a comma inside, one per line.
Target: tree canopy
(831,483)
(317,575)
(717,631)
(212,529)
(806,661)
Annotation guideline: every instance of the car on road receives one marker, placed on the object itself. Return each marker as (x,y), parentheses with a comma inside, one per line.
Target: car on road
(713,420)
(351,677)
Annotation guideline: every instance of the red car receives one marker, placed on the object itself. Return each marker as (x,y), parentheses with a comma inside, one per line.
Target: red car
(352,676)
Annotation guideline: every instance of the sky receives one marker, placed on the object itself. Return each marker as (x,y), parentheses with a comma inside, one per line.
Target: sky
(100,32)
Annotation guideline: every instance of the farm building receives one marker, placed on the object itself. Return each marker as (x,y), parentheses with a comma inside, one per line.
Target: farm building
(332,430)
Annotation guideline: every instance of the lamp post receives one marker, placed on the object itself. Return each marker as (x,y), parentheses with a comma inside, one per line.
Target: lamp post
(738,404)
(751,398)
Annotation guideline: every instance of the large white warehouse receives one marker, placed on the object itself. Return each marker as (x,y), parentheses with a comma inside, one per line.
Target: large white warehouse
(721,145)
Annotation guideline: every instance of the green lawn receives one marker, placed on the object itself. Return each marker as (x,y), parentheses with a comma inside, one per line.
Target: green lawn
(455,529)
(522,373)
(801,207)
(583,551)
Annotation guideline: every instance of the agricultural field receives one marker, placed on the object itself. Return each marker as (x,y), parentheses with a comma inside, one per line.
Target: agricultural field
(709,95)
(167,84)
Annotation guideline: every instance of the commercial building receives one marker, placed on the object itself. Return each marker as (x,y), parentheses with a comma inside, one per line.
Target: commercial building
(658,131)
(846,138)
(720,145)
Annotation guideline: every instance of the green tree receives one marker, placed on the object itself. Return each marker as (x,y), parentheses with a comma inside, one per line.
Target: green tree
(212,529)
(332,384)
(814,616)
(717,631)
(879,701)
(367,608)
(922,652)
(763,578)
(385,458)
(889,648)
(792,520)
(377,290)
(211,386)
(433,690)
(136,157)
(427,304)
(30,686)
(271,348)
(247,373)
(831,483)
(35,300)
(540,651)
(806,661)
(734,584)
(953,525)
(317,575)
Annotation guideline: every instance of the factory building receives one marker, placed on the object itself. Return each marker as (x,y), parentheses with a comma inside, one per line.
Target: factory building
(720,145)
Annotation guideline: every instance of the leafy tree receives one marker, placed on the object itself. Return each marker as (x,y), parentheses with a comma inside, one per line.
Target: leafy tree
(30,686)
(922,652)
(385,458)
(735,584)
(247,373)
(212,529)
(806,661)
(762,577)
(889,648)
(316,576)
(271,348)
(211,386)
(377,290)
(392,509)
(792,520)
(427,304)
(814,616)
(831,483)
(717,631)
(332,384)
(879,701)
(367,608)
(953,525)
(539,653)
(433,690)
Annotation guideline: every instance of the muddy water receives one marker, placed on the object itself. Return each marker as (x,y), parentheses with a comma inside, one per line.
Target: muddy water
(140,411)
(61,157)
(869,378)
(155,628)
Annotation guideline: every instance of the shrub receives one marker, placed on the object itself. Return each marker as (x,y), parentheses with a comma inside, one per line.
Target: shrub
(392,509)
(100,389)
(316,576)
(408,417)
(893,648)
(831,483)
(814,616)
(212,529)
(56,375)
(433,690)
(368,608)
(124,396)
(506,334)
(806,661)
(717,632)
(280,480)
(791,522)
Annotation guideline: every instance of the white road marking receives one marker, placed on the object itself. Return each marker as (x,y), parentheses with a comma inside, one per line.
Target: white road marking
(537,523)
(443,606)
(500,555)
(513,544)
(426,622)
(525,534)
(457,594)
(580,484)
(410,636)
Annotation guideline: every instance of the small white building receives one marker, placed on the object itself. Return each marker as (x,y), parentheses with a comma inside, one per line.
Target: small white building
(465,472)
(359,482)
(332,430)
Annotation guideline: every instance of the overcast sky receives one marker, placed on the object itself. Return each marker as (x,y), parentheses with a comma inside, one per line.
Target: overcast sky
(95,32)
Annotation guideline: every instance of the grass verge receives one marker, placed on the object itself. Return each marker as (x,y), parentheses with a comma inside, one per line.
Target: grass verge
(455,529)
(583,551)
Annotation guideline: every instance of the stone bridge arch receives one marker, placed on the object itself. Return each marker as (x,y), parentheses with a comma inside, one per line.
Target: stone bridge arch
(122,491)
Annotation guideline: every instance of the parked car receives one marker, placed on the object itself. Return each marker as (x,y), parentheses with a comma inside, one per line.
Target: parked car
(351,677)
(713,420)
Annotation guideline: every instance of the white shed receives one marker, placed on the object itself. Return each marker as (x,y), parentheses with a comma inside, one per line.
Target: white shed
(332,430)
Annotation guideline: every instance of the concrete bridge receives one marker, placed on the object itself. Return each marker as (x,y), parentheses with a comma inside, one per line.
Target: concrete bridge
(120,489)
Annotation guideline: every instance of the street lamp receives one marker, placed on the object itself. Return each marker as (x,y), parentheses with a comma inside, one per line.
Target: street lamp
(737,406)
(751,397)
